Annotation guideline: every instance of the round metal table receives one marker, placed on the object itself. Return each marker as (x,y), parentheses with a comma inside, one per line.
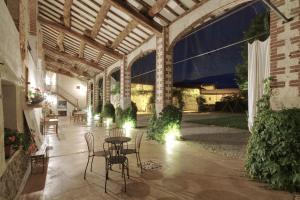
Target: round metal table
(117,140)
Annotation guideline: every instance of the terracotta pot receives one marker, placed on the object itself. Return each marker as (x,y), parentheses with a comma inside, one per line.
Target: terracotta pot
(7,151)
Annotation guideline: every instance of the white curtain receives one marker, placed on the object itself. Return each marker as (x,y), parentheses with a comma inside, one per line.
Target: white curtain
(258,71)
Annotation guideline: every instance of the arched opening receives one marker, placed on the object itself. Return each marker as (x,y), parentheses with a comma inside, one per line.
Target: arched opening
(205,60)
(143,82)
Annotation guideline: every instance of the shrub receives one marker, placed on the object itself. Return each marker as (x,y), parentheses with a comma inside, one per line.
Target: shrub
(129,115)
(169,118)
(201,101)
(108,111)
(273,150)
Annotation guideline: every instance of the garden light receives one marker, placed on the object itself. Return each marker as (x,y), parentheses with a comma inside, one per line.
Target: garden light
(108,122)
(128,125)
(96,117)
(171,135)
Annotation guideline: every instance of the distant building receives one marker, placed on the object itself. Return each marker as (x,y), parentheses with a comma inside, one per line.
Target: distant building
(211,94)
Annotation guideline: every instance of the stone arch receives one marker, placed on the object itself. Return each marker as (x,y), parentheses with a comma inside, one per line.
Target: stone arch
(140,55)
(112,70)
(212,13)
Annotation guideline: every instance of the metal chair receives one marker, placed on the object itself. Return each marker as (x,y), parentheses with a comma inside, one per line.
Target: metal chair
(136,149)
(114,158)
(117,132)
(89,138)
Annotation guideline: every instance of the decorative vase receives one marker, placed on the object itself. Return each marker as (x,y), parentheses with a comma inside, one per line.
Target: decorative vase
(7,151)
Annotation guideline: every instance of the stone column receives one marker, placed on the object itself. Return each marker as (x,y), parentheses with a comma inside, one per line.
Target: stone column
(125,84)
(285,55)
(164,72)
(106,87)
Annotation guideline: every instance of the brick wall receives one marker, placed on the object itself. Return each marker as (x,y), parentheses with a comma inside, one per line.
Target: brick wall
(285,55)
(164,71)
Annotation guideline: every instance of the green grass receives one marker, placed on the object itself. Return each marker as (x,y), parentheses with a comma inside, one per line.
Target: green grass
(239,121)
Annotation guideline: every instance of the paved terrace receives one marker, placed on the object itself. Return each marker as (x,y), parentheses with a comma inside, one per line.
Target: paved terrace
(185,170)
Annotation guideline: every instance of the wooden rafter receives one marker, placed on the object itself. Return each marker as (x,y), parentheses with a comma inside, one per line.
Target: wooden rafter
(99,56)
(98,23)
(67,67)
(136,15)
(84,38)
(72,58)
(157,7)
(148,7)
(59,71)
(131,25)
(81,49)
(67,22)
(100,18)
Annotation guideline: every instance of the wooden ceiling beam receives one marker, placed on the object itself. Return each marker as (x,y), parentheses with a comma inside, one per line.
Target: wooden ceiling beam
(136,15)
(84,38)
(157,7)
(100,18)
(73,58)
(67,22)
(57,71)
(147,7)
(98,23)
(130,26)
(70,68)
(67,12)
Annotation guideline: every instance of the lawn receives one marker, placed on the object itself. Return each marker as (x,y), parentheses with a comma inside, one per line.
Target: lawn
(234,121)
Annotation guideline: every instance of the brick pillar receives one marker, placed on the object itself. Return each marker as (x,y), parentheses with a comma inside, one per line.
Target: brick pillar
(285,55)
(88,92)
(164,72)
(96,94)
(125,84)
(106,87)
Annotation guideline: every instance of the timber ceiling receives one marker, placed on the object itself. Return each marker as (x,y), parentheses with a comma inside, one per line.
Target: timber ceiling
(85,36)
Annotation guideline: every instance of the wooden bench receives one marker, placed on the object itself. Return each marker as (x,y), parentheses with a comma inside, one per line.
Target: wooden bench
(38,158)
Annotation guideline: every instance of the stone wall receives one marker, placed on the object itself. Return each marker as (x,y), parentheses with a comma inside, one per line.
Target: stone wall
(12,177)
(285,55)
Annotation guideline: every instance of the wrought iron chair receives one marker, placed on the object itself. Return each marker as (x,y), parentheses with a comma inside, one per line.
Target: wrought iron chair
(117,132)
(136,149)
(114,158)
(89,138)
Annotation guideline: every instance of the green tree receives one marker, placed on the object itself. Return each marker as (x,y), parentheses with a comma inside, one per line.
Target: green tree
(258,29)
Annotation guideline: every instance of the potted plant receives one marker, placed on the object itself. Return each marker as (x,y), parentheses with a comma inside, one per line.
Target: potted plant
(11,141)
(35,96)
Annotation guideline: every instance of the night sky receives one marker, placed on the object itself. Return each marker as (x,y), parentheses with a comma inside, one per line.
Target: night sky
(217,67)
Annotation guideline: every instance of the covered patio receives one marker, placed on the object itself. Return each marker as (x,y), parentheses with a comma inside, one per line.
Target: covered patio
(68,72)
(183,170)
